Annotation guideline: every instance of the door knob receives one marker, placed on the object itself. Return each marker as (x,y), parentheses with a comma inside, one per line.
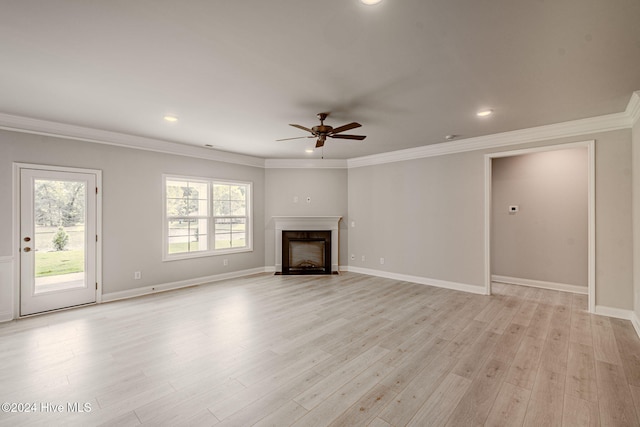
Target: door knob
(27,249)
(27,239)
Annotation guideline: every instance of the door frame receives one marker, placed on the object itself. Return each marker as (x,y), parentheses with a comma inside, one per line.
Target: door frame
(591,210)
(17,167)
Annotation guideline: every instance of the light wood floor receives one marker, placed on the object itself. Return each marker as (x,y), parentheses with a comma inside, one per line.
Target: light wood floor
(346,350)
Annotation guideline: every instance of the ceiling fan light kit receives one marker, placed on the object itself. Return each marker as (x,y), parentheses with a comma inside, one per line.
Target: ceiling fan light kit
(322,131)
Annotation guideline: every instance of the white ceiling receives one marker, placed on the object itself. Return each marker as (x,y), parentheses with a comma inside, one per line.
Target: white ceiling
(237,72)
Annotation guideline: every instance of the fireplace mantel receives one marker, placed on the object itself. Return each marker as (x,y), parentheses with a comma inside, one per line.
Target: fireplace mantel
(307,223)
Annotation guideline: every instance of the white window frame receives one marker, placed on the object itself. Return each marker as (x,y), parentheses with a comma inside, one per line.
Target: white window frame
(166,256)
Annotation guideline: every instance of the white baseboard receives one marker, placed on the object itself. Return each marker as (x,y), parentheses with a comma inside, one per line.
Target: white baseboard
(618,313)
(474,289)
(163,287)
(540,284)
(635,322)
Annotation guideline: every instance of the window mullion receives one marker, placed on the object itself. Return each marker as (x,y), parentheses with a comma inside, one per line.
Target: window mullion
(185,229)
(211,219)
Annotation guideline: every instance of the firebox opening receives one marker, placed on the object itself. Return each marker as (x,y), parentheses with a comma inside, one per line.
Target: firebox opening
(306,252)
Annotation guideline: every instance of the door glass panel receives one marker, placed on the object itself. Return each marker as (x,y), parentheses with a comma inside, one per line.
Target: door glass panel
(60,235)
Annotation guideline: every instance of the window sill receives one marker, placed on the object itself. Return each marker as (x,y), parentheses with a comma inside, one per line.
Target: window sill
(203,254)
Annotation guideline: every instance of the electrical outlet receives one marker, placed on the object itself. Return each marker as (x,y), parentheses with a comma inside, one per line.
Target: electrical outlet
(225,262)
(137,275)
(381,261)
(353,224)
(353,257)
(363,258)
(295,199)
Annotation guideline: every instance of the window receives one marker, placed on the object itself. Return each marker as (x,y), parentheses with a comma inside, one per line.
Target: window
(206,217)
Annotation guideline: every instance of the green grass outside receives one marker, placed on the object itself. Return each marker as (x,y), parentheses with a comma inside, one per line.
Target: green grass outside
(61,262)
(176,248)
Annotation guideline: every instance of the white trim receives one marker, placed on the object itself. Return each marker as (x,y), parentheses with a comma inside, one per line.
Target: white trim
(166,257)
(17,166)
(163,287)
(6,288)
(544,148)
(609,122)
(633,108)
(488,187)
(618,313)
(62,130)
(635,322)
(591,224)
(463,287)
(591,211)
(305,164)
(564,287)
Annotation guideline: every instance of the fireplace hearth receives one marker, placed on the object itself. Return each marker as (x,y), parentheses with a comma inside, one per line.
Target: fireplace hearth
(306,252)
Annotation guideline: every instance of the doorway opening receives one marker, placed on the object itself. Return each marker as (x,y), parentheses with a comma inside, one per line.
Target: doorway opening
(512,211)
(57,227)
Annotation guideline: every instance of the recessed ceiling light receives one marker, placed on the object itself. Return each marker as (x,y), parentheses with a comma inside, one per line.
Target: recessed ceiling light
(484,113)
(170,119)
(370,2)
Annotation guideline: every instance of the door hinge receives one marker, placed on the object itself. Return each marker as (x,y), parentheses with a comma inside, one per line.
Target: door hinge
(96,286)
(96,237)
(96,190)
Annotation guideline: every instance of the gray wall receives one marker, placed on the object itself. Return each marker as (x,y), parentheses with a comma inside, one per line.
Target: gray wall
(614,237)
(327,189)
(547,238)
(426,216)
(132,206)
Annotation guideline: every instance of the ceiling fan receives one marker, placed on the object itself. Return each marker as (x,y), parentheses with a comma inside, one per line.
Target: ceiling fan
(323,131)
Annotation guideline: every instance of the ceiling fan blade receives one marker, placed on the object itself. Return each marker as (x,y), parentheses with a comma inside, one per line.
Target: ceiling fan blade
(297,137)
(349,126)
(358,137)
(320,142)
(301,127)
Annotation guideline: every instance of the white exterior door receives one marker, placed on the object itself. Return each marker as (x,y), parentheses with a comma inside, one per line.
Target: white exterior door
(58,236)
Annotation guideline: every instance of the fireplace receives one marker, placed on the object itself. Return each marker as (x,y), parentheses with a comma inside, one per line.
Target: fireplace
(327,249)
(306,252)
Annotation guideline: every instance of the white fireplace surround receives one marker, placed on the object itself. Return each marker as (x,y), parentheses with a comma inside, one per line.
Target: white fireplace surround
(307,223)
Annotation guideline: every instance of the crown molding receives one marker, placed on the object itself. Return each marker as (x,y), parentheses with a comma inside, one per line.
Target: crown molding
(62,130)
(606,123)
(305,164)
(591,125)
(633,108)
